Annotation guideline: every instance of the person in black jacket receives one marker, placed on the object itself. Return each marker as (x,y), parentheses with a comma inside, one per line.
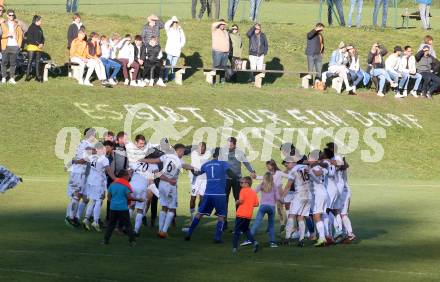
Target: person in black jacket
(35,42)
(139,55)
(427,65)
(72,32)
(258,48)
(153,63)
(315,50)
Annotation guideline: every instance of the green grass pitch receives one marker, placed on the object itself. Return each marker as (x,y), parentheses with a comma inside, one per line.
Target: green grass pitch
(394,207)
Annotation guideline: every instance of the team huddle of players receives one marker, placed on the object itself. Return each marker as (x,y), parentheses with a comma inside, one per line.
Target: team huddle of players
(316,197)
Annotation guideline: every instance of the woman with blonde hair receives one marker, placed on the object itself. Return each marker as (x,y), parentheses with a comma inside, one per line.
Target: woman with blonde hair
(269,197)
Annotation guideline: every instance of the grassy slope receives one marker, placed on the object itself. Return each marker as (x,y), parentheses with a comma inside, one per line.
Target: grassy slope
(398,235)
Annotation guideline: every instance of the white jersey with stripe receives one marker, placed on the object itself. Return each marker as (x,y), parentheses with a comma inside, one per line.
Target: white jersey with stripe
(81,153)
(339,173)
(330,178)
(98,164)
(143,173)
(172,165)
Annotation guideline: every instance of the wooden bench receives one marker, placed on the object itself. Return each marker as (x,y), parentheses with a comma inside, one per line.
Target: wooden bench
(410,16)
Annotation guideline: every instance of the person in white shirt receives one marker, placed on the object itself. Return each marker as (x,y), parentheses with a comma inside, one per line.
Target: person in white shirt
(392,64)
(300,205)
(76,185)
(107,51)
(124,53)
(199,157)
(408,70)
(139,149)
(96,186)
(175,42)
(172,165)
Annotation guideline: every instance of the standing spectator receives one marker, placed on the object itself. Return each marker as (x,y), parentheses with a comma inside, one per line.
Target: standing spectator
(125,55)
(258,47)
(254,10)
(119,193)
(237,50)
(12,39)
(392,64)
(217,8)
(424,6)
(35,43)
(377,67)
(338,65)
(339,8)
(194,9)
(206,6)
(353,3)
(220,47)
(151,28)
(232,9)
(408,70)
(175,42)
(377,4)
(425,62)
(153,70)
(235,158)
(428,40)
(315,50)
(72,32)
(354,68)
(109,64)
(71,6)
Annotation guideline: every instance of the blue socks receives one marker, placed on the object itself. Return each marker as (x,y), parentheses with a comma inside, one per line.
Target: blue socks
(219,230)
(193,226)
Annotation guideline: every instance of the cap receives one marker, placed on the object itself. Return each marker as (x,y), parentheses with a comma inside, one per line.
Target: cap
(341,45)
(426,47)
(174,19)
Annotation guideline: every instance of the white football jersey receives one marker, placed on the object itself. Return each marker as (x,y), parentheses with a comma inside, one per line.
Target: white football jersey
(197,161)
(172,165)
(318,182)
(81,153)
(97,170)
(142,173)
(300,176)
(339,173)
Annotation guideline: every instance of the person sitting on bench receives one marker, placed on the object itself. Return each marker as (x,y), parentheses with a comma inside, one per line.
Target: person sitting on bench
(153,63)
(377,67)
(338,65)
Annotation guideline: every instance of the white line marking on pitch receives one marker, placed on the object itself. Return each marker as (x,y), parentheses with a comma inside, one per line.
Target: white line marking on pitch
(258,262)
(52,274)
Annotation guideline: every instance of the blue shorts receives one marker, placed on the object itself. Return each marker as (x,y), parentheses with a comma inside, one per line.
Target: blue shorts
(209,203)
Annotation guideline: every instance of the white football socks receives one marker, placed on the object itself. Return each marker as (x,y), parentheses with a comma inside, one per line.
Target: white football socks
(289,228)
(138,222)
(168,220)
(89,210)
(80,210)
(302,229)
(162,217)
(337,223)
(326,225)
(347,224)
(97,211)
(320,228)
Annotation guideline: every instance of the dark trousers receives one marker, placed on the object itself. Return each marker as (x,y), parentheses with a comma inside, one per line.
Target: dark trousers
(234,185)
(153,69)
(123,217)
(232,9)
(9,58)
(242,225)
(72,6)
(220,61)
(339,9)
(431,82)
(193,8)
(34,57)
(205,6)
